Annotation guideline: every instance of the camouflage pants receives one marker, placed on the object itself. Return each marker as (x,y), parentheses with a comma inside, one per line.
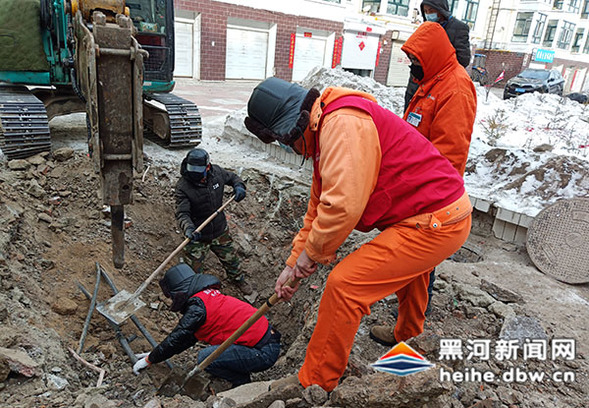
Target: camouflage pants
(221,246)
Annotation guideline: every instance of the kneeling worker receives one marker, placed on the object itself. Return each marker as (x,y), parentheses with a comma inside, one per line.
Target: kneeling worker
(211,317)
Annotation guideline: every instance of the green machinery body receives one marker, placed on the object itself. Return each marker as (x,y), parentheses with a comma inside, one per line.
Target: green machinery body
(37,62)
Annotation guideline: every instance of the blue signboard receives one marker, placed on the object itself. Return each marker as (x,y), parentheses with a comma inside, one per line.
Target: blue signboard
(544,55)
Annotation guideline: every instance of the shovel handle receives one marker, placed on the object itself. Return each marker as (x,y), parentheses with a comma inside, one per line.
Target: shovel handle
(176,251)
(242,329)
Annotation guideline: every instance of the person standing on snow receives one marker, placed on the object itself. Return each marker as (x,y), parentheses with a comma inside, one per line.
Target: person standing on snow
(199,193)
(211,317)
(443,110)
(371,170)
(437,11)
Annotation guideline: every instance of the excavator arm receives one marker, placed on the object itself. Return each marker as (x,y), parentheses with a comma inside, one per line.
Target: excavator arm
(109,67)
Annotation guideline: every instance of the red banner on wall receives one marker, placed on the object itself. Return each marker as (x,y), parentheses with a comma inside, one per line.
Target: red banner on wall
(336,59)
(377,55)
(293,37)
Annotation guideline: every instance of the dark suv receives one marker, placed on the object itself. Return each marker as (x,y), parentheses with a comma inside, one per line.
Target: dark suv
(534,80)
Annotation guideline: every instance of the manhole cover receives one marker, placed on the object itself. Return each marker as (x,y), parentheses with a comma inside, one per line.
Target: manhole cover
(558,240)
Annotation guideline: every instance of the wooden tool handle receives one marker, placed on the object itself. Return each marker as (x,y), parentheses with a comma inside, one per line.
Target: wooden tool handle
(176,251)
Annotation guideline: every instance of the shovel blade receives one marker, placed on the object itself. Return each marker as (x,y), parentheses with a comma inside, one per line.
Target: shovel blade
(120,307)
(195,386)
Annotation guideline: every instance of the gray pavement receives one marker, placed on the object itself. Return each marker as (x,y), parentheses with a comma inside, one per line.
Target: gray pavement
(215,98)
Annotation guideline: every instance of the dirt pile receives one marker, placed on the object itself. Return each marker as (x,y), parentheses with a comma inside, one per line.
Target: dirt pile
(53,232)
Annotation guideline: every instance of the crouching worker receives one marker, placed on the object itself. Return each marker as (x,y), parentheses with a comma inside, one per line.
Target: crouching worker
(211,317)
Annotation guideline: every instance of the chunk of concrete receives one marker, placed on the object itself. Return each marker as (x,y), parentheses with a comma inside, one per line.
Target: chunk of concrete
(19,362)
(247,392)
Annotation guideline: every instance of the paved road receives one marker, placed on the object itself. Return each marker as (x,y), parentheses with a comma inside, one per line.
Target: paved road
(215,98)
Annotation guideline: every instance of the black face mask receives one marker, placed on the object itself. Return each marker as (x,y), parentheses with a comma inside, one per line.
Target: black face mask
(197,178)
(416,71)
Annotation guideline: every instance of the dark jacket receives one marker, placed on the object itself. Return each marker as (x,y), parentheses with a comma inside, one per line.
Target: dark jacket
(194,315)
(195,202)
(458,33)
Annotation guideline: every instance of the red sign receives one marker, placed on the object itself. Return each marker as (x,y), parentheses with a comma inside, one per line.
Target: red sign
(309,35)
(292,49)
(337,52)
(368,29)
(362,46)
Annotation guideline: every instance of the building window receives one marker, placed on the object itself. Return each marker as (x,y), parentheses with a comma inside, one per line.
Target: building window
(472,7)
(566,35)
(574,6)
(586,47)
(398,7)
(585,10)
(523,22)
(371,6)
(577,41)
(540,23)
(557,4)
(453,4)
(550,32)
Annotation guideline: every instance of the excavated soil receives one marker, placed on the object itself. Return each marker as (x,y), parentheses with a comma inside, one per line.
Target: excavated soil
(54,232)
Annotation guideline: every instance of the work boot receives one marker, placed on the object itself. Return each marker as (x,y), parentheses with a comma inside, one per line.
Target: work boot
(244,286)
(383,335)
(292,379)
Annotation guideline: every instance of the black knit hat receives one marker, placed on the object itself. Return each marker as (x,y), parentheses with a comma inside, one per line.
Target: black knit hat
(279,110)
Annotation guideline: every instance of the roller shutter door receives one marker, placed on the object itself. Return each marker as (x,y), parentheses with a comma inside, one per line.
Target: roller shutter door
(398,67)
(183,56)
(309,53)
(247,53)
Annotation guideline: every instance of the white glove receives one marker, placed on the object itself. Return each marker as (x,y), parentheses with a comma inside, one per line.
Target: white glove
(141,363)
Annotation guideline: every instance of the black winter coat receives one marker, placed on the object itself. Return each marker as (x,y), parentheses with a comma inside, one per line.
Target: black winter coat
(458,34)
(195,202)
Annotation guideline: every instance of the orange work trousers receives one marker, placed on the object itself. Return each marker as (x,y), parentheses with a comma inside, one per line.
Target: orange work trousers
(399,261)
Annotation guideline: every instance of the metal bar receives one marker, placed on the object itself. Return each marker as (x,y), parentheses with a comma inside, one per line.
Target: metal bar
(114,51)
(117,217)
(116,328)
(134,318)
(90,310)
(111,156)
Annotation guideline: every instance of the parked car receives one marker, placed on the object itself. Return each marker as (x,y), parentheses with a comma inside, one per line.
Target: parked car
(580,97)
(534,80)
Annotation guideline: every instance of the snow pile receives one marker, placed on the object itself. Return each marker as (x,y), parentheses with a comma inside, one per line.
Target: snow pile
(389,98)
(528,152)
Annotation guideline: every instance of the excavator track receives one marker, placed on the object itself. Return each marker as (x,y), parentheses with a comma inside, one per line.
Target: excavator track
(24,127)
(183,127)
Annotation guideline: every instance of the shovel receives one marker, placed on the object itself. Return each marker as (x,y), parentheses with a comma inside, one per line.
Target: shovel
(192,385)
(121,306)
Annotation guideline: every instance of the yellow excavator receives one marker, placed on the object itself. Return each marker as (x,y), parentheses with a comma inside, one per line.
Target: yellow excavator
(64,56)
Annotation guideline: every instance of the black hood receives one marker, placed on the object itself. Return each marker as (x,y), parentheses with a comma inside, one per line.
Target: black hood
(180,283)
(440,5)
(279,110)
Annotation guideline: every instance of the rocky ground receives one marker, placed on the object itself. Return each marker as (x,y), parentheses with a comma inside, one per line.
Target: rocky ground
(54,231)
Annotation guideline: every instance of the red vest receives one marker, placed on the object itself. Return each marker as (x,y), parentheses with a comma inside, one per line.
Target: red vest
(414,177)
(225,314)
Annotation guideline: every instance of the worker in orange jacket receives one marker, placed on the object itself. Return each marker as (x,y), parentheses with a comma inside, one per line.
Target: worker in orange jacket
(371,170)
(443,110)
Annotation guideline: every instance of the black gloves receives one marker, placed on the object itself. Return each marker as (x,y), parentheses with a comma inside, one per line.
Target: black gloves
(239,192)
(193,234)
